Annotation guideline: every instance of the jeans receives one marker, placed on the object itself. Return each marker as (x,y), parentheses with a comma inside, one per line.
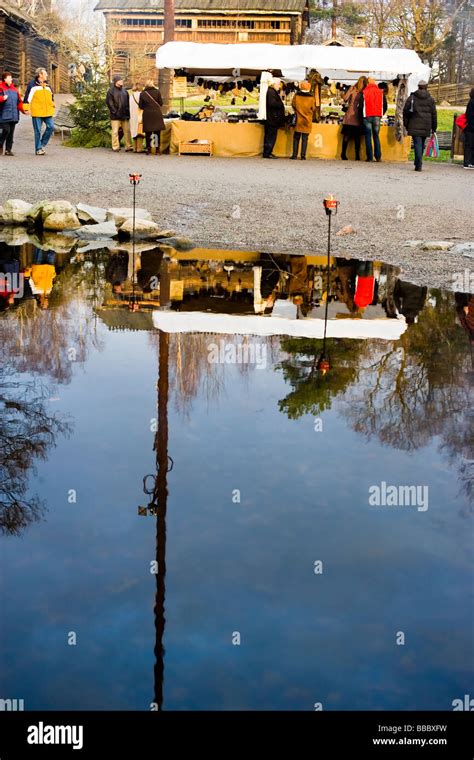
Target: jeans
(419,146)
(41,141)
(269,139)
(371,129)
(7,130)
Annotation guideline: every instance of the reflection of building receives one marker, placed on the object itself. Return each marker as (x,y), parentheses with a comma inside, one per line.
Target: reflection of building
(135,27)
(22,49)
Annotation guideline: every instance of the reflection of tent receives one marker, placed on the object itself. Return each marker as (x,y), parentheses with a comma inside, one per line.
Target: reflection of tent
(345,64)
(226,324)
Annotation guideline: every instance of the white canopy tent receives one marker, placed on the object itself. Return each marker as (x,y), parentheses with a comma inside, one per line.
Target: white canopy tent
(344,64)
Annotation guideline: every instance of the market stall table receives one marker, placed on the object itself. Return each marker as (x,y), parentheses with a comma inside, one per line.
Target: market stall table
(245,140)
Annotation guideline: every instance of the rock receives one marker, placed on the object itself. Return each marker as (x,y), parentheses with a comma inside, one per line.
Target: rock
(413,244)
(90,214)
(464,248)
(180,243)
(99,244)
(59,215)
(166,234)
(36,211)
(437,245)
(347,230)
(51,241)
(469,254)
(15,211)
(14,236)
(60,222)
(143,228)
(120,215)
(93,231)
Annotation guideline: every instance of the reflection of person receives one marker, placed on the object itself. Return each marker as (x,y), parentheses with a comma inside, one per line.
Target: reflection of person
(409,300)
(304,105)
(119,110)
(365,292)
(150,102)
(420,120)
(10,106)
(149,273)
(136,118)
(116,271)
(43,273)
(352,122)
(275,118)
(465,312)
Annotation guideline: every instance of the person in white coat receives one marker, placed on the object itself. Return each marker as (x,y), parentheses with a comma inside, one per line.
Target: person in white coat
(136,118)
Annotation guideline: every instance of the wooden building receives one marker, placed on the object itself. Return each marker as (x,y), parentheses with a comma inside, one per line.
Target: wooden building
(22,50)
(135,27)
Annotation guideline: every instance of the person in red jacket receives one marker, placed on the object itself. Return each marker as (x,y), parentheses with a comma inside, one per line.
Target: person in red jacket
(373,112)
(10,106)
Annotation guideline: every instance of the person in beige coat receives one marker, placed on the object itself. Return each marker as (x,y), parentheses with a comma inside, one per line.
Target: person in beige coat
(136,118)
(304,105)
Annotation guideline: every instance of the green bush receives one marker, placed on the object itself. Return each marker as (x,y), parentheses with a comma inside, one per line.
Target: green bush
(91,117)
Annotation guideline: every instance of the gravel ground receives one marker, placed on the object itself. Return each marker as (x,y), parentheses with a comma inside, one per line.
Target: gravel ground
(273,206)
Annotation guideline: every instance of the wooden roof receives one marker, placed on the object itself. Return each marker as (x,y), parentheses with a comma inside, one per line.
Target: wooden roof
(206,6)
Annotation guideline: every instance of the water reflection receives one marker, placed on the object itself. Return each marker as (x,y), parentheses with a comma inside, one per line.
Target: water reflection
(398,373)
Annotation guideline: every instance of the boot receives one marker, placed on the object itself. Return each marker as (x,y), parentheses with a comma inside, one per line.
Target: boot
(357,149)
(345,143)
(304,147)
(296,145)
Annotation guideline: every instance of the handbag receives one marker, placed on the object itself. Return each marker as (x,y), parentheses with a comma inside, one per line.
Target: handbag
(461,122)
(292,120)
(432,147)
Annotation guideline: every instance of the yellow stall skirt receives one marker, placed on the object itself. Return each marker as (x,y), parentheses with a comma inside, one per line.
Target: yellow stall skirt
(245,140)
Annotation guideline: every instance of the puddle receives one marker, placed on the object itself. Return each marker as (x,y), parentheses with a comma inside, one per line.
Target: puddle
(204,464)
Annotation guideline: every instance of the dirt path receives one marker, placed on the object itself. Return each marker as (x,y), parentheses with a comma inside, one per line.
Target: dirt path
(266,205)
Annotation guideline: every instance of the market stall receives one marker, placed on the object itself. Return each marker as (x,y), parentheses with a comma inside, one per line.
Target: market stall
(231,63)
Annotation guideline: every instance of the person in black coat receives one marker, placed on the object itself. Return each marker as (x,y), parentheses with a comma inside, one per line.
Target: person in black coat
(420,119)
(119,109)
(150,102)
(409,300)
(469,133)
(275,118)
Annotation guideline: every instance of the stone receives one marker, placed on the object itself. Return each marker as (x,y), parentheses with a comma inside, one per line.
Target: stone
(59,216)
(437,245)
(36,211)
(413,243)
(60,222)
(99,244)
(181,243)
(143,228)
(120,215)
(93,231)
(166,234)
(464,248)
(469,254)
(347,230)
(15,211)
(53,241)
(91,214)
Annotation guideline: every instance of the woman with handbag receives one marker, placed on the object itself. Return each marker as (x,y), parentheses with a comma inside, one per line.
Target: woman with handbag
(304,105)
(136,118)
(420,120)
(150,102)
(352,123)
(469,133)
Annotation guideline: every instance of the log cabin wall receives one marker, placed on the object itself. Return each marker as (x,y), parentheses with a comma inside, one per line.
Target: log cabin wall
(22,51)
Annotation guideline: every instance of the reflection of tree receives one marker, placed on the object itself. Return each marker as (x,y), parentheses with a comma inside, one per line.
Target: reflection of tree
(27,431)
(312,392)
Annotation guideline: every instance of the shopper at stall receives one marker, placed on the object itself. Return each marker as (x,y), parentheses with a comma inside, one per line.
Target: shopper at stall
(352,122)
(136,118)
(469,133)
(304,105)
(150,102)
(372,113)
(10,106)
(275,118)
(119,109)
(420,120)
